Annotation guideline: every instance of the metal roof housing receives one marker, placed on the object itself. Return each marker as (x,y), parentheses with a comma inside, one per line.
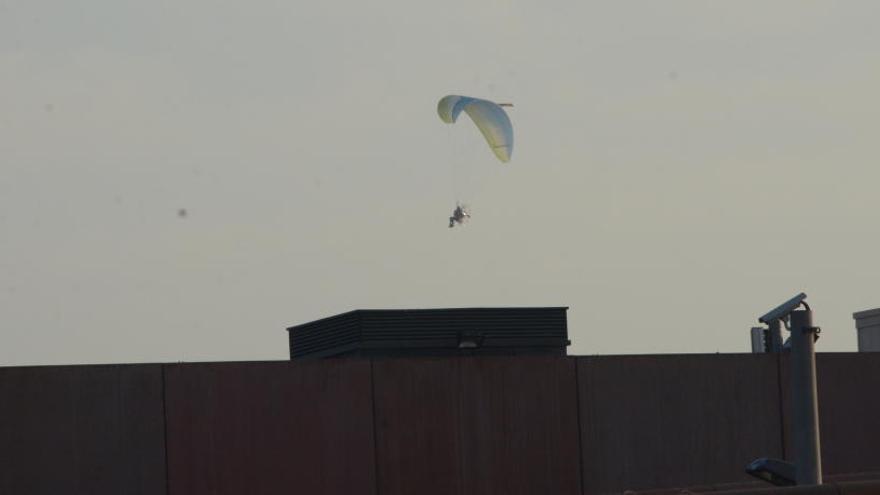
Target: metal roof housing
(433,332)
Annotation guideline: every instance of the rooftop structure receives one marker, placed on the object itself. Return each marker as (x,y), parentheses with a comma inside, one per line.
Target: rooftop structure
(433,332)
(868,329)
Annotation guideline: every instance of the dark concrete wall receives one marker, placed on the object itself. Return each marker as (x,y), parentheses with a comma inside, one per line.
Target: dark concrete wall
(849,411)
(82,429)
(491,425)
(513,425)
(269,428)
(676,420)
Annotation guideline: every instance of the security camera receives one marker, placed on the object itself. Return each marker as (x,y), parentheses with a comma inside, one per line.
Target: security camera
(774,471)
(783,309)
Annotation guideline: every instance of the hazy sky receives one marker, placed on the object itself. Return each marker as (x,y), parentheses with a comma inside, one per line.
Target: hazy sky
(680,168)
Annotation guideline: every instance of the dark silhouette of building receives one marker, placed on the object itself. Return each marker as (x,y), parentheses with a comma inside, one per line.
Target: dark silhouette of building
(433,332)
(432,425)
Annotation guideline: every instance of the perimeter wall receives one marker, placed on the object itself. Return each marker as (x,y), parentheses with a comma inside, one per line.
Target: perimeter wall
(500,425)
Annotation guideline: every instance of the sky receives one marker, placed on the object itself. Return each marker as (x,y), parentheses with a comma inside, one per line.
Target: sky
(679,168)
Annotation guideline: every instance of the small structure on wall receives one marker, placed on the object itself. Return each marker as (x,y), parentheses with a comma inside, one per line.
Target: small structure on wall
(868,330)
(433,332)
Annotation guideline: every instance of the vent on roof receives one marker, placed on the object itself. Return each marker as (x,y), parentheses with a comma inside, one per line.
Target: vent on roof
(433,332)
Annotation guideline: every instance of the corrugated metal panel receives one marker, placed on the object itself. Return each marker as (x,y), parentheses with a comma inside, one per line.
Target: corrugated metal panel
(390,332)
(328,335)
(678,420)
(477,425)
(82,429)
(270,428)
(849,410)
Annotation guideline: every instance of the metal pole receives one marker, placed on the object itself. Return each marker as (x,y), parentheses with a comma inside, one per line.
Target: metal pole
(805,409)
(774,335)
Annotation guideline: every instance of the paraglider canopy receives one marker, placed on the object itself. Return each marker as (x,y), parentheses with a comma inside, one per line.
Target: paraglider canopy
(489,117)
